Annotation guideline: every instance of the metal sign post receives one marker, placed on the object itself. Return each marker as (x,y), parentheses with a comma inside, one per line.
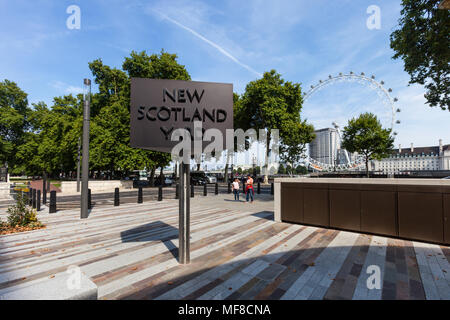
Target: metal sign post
(184,231)
(85,165)
(78,164)
(159,107)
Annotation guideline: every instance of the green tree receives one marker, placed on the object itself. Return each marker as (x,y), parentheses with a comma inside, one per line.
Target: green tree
(51,144)
(14,124)
(423,42)
(269,103)
(293,145)
(301,169)
(366,136)
(111,114)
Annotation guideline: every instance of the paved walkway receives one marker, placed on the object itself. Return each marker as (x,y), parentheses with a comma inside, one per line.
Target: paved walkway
(38,185)
(237,252)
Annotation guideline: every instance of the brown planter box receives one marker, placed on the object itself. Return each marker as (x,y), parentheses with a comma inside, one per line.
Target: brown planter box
(292,203)
(446,217)
(316,205)
(378,212)
(416,210)
(420,216)
(345,208)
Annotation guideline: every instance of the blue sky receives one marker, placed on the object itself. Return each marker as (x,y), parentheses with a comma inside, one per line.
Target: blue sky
(222,41)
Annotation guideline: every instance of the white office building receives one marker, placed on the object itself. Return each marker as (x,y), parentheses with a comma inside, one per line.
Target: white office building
(325,148)
(415,159)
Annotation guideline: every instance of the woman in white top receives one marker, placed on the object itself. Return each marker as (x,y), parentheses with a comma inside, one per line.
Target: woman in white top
(236,189)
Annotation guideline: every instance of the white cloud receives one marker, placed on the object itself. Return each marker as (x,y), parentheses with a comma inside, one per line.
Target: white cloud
(211,43)
(65,88)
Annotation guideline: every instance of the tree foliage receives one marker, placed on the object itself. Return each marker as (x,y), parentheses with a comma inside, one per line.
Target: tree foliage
(423,42)
(45,139)
(273,103)
(366,136)
(293,145)
(14,124)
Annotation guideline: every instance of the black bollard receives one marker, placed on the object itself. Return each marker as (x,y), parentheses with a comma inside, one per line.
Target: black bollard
(89,199)
(140,196)
(44,192)
(116,197)
(205,190)
(229,187)
(216,189)
(34,199)
(271,188)
(177,191)
(258,190)
(52,208)
(192,190)
(38,200)
(160,195)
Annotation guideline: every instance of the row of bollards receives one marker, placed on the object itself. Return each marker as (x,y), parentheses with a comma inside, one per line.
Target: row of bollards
(34,199)
(34,195)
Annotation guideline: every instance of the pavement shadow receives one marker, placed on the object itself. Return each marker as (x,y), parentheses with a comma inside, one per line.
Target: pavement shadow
(154,231)
(268,215)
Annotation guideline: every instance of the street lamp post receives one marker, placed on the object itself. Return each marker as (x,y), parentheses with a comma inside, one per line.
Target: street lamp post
(85,165)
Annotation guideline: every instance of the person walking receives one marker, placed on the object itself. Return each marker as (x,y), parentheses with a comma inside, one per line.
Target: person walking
(236,189)
(249,188)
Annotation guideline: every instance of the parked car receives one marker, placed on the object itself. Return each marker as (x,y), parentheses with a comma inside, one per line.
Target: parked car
(210,178)
(447,178)
(168,180)
(198,178)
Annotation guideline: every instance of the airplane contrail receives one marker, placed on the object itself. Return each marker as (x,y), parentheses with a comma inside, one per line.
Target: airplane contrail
(221,50)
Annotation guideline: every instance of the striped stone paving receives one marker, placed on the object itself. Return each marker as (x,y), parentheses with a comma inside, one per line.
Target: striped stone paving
(237,252)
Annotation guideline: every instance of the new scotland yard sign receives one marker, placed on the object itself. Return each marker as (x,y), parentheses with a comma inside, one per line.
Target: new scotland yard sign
(158,107)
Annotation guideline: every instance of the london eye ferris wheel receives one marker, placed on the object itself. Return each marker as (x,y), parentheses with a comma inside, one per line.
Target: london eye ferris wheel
(338,158)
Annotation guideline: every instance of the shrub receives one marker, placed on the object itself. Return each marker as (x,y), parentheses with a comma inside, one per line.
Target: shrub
(21,215)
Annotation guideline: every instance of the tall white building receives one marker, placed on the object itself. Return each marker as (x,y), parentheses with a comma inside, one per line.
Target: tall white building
(324,148)
(415,159)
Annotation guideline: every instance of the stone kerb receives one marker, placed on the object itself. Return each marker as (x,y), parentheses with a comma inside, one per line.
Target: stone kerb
(96,186)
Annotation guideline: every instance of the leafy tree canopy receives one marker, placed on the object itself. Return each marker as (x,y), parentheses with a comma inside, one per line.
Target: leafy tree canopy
(423,41)
(366,136)
(14,113)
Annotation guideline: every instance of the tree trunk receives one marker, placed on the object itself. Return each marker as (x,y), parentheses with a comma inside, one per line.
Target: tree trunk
(226,167)
(152,177)
(367,167)
(161,176)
